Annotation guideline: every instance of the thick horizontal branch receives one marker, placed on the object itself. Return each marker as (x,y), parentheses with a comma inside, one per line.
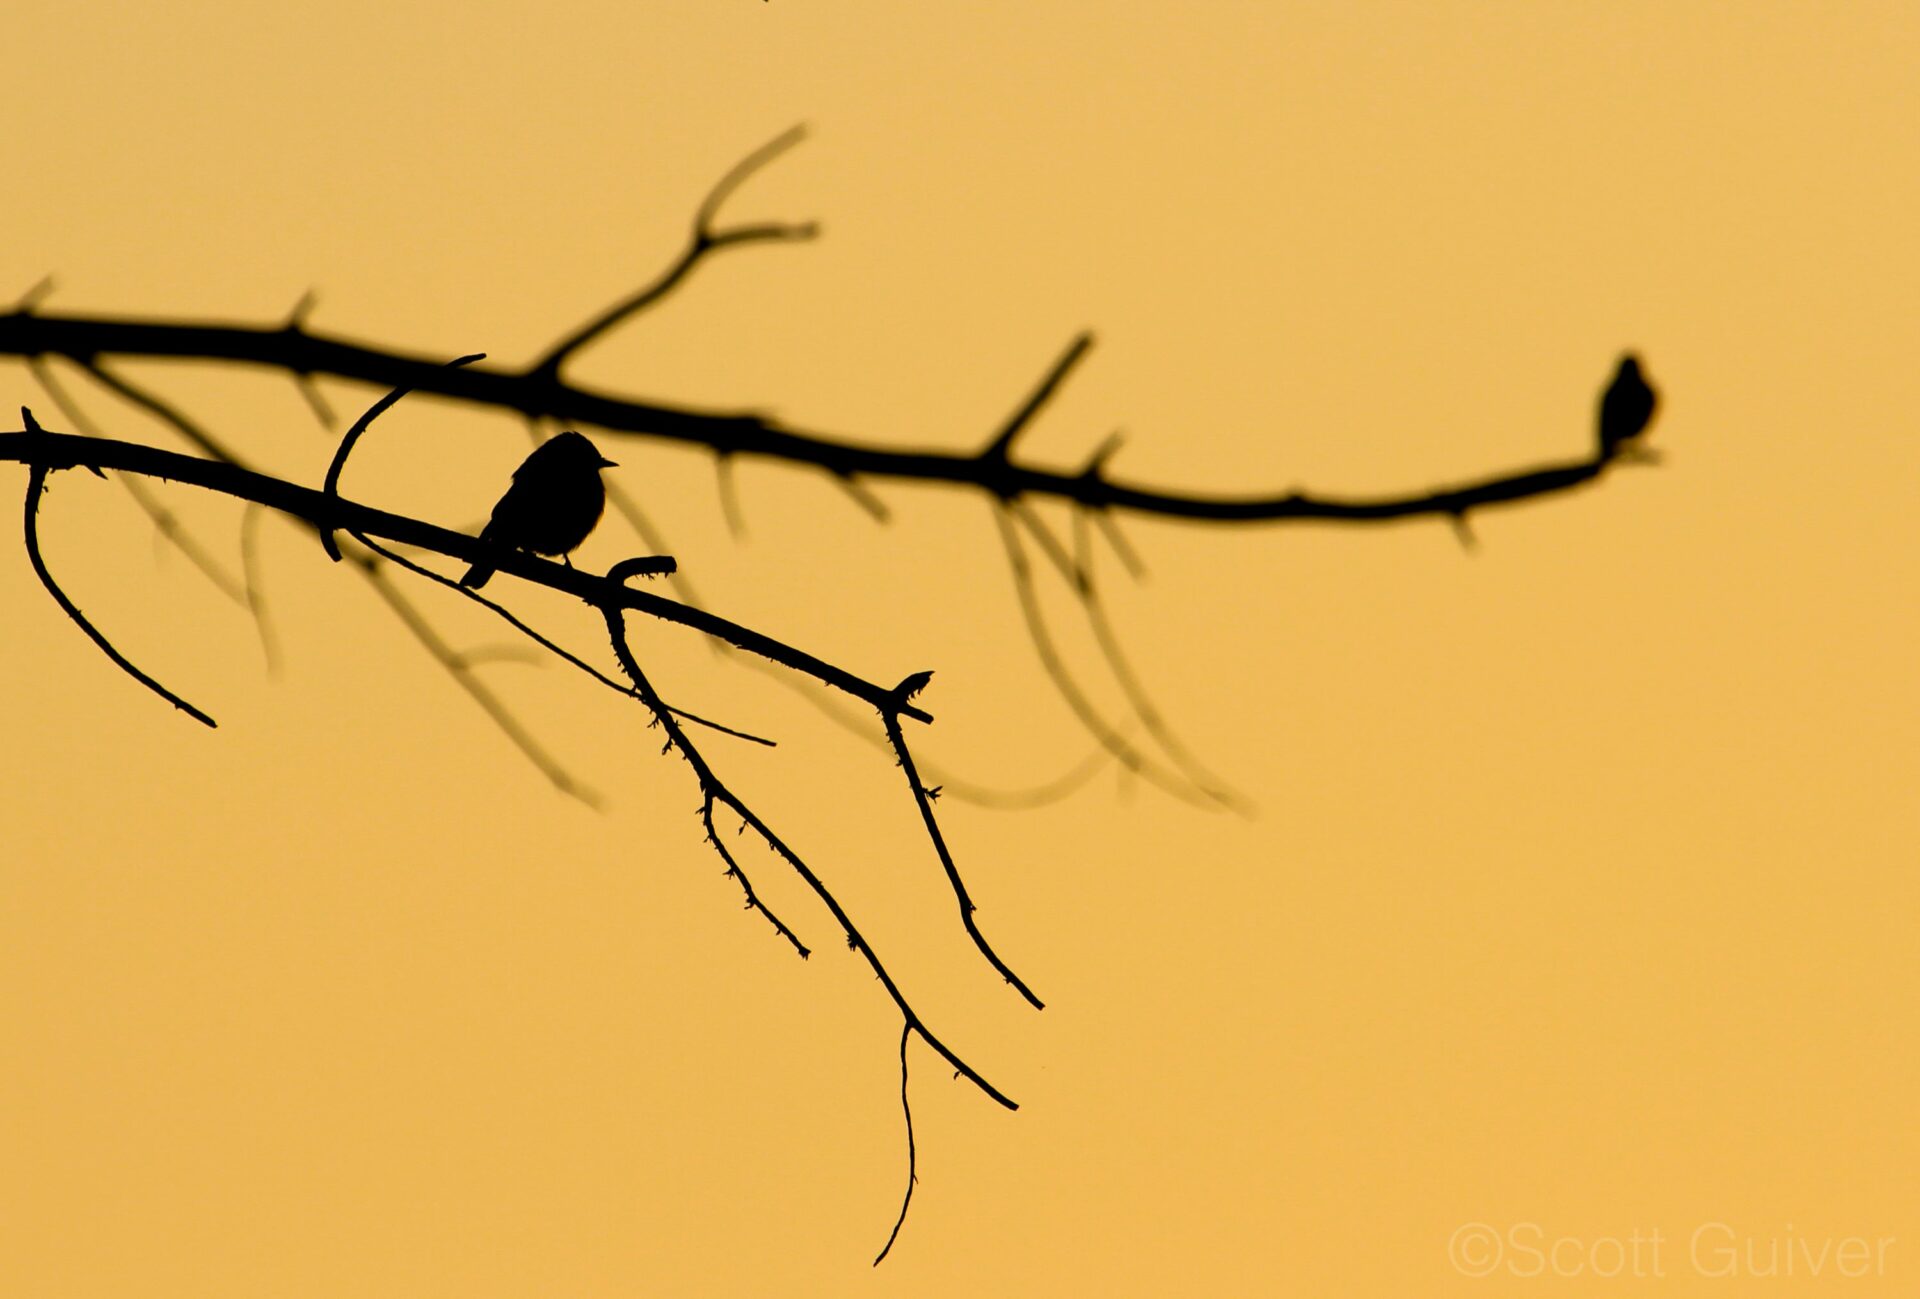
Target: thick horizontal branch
(66,451)
(537,392)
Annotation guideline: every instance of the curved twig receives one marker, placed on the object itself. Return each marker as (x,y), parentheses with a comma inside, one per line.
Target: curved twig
(1108,736)
(1077,570)
(331,487)
(906,1111)
(36,484)
(164,520)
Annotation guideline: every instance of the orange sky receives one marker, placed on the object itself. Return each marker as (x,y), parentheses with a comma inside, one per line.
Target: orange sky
(1578,899)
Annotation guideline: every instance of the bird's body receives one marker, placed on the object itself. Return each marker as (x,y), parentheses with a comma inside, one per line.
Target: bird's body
(1626,407)
(555,500)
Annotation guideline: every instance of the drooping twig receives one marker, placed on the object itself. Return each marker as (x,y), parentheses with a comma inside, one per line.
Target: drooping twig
(1106,733)
(913,1176)
(36,485)
(729,492)
(256,589)
(1077,570)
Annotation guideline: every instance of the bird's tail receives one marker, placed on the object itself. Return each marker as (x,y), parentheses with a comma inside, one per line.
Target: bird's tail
(477,576)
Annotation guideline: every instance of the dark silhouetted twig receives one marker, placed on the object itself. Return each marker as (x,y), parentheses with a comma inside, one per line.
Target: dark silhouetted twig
(713,790)
(332,485)
(913,1176)
(923,799)
(1001,446)
(164,519)
(36,485)
(705,241)
(552,647)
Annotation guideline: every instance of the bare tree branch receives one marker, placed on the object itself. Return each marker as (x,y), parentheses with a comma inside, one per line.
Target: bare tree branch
(748,434)
(713,789)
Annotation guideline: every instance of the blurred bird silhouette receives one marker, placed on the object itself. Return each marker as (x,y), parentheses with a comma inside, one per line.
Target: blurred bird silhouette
(555,500)
(1626,407)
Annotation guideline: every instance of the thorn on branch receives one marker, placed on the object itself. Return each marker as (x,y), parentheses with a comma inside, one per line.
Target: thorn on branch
(297,318)
(1096,470)
(864,497)
(33,297)
(1463,531)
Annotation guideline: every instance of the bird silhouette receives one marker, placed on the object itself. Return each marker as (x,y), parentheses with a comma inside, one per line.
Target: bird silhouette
(555,500)
(1626,407)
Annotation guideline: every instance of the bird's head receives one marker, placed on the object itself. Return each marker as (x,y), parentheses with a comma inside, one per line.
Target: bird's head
(573,448)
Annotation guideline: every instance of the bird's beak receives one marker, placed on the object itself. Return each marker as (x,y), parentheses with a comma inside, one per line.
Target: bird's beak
(609,464)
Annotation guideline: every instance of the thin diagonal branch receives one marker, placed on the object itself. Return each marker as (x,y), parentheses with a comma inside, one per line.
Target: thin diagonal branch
(469,681)
(168,413)
(924,801)
(1002,443)
(552,647)
(735,873)
(36,484)
(864,497)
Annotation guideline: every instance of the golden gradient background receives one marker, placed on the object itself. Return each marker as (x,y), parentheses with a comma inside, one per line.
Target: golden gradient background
(1581,892)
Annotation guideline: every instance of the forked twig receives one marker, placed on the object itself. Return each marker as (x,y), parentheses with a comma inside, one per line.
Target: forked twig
(705,241)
